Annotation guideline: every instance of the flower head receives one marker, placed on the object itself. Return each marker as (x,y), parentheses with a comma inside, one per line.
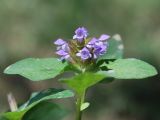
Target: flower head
(80,34)
(82,51)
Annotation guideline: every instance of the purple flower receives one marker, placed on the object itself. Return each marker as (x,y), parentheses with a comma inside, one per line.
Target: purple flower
(80,34)
(84,54)
(59,42)
(104,37)
(98,46)
(92,42)
(63,54)
(99,50)
(62,49)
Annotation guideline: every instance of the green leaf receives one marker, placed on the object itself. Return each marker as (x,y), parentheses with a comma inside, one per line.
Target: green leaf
(36,69)
(107,80)
(130,69)
(13,115)
(114,50)
(84,106)
(48,94)
(35,100)
(2,118)
(71,68)
(81,82)
(45,111)
(42,111)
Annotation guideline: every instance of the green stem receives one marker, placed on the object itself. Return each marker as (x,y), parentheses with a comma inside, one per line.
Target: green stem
(80,101)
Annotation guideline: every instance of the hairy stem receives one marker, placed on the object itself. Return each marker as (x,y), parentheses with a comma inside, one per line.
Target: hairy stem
(80,101)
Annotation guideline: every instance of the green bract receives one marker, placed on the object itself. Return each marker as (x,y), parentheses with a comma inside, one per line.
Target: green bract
(83,81)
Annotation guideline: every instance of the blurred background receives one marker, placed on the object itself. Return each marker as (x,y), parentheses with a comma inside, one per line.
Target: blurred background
(28,28)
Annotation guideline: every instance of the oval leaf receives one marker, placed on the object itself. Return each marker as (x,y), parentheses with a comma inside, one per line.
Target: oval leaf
(13,115)
(48,94)
(42,111)
(45,111)
(36,69)
(85,106)
(130,69)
